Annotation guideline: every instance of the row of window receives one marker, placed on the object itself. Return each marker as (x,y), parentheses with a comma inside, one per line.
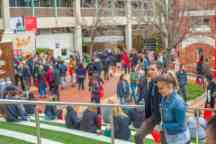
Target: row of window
(84,3)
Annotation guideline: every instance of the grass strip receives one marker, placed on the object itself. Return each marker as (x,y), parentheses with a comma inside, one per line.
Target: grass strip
(9,140)
(51,135)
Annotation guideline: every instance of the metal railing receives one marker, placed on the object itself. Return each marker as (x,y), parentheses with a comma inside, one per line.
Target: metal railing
(111,106)
(37,121)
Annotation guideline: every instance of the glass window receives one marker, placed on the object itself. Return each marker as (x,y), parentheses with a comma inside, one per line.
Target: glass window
(20,3)
(65,3)
(119,4)
(88,3)
(46,3)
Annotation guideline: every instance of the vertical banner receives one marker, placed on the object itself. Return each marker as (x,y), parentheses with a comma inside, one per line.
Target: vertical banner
(30,23)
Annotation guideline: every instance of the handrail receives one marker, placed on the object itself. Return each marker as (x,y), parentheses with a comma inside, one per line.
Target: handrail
(6,101)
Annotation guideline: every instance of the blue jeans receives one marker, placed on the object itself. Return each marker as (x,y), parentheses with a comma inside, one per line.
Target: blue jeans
(123,100)
(42,90)
(183,92)
(133,86)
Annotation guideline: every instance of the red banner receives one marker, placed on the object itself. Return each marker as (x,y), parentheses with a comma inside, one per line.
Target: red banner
(30,23)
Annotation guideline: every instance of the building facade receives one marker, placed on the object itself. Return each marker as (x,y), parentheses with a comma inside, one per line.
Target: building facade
(68,24)
(75,17)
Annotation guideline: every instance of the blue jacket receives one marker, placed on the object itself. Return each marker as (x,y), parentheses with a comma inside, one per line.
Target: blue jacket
(123,89)
(63,69)
(182,78)
(81,72)
(173,114)
(71,119)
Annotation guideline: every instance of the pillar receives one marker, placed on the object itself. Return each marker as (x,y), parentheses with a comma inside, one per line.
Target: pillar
(6,20)
(33,7)
(128,28)
(78,28)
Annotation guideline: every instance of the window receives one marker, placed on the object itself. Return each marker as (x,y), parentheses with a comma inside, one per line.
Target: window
(20,3)
(120,4)
(65,3)
(88,3)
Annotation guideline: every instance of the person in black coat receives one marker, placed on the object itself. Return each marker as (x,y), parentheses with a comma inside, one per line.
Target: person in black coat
(121,124)
(152,105)
(88,122)
(71,119)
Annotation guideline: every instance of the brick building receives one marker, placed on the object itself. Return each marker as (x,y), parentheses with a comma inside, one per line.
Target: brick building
(201,35)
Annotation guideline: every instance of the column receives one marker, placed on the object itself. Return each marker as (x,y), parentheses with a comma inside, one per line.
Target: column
(33,7)
(78,28)
(55,8)
(128,28)
(6,20)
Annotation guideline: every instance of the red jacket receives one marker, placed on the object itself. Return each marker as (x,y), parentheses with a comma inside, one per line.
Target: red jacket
(125,58)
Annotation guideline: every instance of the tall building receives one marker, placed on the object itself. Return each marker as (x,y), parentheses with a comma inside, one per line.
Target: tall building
(69,24)
(201,34)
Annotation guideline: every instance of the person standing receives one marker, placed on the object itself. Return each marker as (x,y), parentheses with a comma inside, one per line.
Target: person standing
(71,69)
(173,111)
(41,81)
(56,82)
(81,74)
(133,85)
(123,90)
(183,80)
(126,62)
(152,105)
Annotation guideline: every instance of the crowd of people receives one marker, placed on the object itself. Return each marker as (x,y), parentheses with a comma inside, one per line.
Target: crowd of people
(146,79)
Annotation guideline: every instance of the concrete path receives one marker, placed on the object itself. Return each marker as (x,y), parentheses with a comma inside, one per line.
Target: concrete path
(25,137)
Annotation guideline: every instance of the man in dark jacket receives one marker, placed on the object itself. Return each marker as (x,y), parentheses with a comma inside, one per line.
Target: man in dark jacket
(71,119)
(81,73)
(56,82)
(152,105)
(182,79)
(89,120)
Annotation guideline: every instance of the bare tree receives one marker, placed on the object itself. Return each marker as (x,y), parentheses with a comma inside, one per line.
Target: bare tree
(98,25)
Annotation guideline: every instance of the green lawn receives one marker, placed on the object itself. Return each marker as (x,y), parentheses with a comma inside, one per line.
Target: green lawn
(194,91)
(8,140)
(52,135)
